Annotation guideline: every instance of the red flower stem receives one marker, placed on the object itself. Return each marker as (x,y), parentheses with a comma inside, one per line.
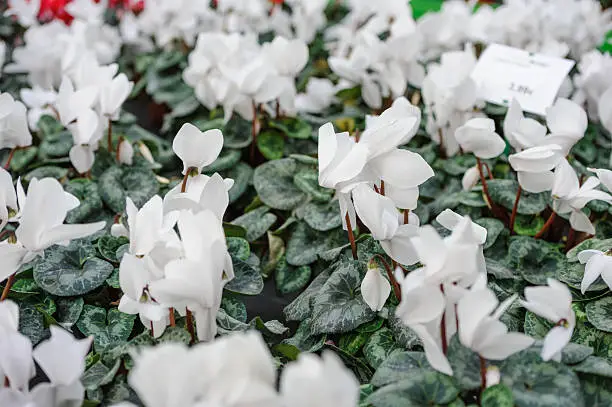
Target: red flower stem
(489,172)
(10,158)
(351,236)
(514,209)
(189,323)
(483,373)
(7,287)
(443,328)
(483,181)
(547,225)
(406,214)
(185,178)
(109,135)
(171,317)
(397,290)
(442,151)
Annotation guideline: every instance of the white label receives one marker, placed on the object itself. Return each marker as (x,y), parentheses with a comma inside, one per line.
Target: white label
(503,73)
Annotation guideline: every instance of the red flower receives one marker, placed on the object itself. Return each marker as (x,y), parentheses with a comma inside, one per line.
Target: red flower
(54,9)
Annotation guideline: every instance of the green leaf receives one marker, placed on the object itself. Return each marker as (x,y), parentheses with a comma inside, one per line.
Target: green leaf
(352,342)
(46,171)
(322,217)
(536,326)
(108,246)
(592,244)
(99,375)
(119,392)
(499,270)
(86,192)
(597,391)
(270,329)
(256,222)
(360,368)
(307,181)
(31,323)
(271,145)
(175,334)
(503,192)
(536,259)
(574,353)
(424,388)
(234,308)
(108,329)
(247,279)
(372,326)
(273,182)
(69,310)
(71,270)
(23,157)
(56,145)
(118,183)
(233,230)
(572,273)
(237,132)
(304,339)
(289,278)
(339,307)
(599,314)
(238,247)
(226,160)
(595,365)
(403,335)
(301,308)
(305,244)
(379,346)
(538,383)
(399,366)
(228,323)
(465,364)
(494,228)
(242,175)
(497,396)
(292,127)
(528,225)
(49,126)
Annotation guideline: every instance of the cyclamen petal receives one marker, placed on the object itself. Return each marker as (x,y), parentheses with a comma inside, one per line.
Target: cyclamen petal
(195,148)
(478,136)
(375,289)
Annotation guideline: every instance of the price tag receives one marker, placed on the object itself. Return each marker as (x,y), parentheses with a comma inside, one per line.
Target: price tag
(503,73)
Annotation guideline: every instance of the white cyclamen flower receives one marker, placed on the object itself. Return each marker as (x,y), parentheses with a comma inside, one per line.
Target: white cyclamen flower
(14,131)
(319,381)
(554,303)
(379,214)
(534,167)
(481,330)
(478,136)
(598,264)
(375,288)
(42,226)
(421,309)
(195,148)
(570,197)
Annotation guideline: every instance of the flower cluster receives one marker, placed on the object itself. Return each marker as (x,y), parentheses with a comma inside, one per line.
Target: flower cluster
(163,270)
(238,370)
(234,71)
(61,358)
